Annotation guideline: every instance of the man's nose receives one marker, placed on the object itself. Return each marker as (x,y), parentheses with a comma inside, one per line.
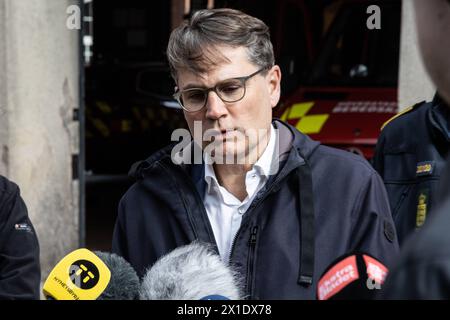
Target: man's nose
(215,107)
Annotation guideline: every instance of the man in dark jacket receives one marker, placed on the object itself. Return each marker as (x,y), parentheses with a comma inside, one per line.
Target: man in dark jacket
(280,207)
(411,164)
(423,270)
(20,273)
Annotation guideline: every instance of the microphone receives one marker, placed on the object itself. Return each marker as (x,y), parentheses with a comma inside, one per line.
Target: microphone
(124,283)
(354,276)
(84,275)
(191,272)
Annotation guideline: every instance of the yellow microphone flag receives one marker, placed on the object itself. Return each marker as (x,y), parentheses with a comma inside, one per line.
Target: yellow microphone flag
(80,275)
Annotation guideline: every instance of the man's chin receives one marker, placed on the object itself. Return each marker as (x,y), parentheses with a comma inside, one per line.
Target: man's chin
(228,156)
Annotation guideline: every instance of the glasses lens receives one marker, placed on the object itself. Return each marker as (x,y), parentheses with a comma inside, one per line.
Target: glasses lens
(193,99)
(231,90)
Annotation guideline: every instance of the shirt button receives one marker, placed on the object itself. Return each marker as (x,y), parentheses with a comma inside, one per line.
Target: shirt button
(254,176)
(241,210)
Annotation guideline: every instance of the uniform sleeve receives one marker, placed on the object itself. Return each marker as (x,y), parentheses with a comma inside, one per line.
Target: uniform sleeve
(20,272)
(373,230)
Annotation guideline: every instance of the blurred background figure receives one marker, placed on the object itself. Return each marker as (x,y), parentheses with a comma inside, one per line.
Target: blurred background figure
(423,271)
(19,248)
(411,164)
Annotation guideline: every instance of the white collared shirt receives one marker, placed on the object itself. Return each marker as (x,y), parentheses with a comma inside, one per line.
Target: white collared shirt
(224,210)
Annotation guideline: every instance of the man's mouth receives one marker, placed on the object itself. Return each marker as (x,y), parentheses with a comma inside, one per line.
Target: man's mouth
(225,133)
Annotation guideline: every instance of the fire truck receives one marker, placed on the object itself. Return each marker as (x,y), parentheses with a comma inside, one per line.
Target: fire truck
(350,91)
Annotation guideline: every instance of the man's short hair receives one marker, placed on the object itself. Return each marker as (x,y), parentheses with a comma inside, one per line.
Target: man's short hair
(193,45)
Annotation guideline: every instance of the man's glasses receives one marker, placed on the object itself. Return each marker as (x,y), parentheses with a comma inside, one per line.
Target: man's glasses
(229,91)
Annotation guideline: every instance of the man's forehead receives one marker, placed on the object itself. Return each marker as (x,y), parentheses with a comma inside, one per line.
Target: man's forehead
(211,57)
(233,67)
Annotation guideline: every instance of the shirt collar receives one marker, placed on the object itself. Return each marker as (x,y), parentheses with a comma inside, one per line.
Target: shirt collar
(210,175)
(264,163)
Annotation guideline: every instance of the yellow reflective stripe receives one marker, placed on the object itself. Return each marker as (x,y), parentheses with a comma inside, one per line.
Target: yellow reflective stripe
(103,107)
(299,110)
(284,117)
(101,127)
(312,123)
(125,125)
(396,116)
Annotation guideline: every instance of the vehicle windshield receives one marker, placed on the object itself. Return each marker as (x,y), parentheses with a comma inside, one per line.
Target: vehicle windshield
(354,55)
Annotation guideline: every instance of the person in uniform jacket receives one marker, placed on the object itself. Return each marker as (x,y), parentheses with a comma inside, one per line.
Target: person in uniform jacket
(410,156)
(20,273)
(423,268)
(280,219)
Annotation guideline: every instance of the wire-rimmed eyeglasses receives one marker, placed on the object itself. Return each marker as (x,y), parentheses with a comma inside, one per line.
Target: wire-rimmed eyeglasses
(229,91)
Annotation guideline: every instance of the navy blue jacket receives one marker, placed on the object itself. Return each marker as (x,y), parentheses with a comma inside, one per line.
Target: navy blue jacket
(423,268)
(20,272)
(277,248)
(410,157)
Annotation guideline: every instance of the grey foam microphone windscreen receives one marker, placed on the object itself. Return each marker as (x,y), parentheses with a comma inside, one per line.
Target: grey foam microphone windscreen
(190,272)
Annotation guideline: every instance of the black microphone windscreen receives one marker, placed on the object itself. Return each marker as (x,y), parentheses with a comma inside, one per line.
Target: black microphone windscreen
(354,276)
(124,283)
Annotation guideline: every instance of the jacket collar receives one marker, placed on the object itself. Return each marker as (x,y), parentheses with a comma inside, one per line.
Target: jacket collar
(439,117)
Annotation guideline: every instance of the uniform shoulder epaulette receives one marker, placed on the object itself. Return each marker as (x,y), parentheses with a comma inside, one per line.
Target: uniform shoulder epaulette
(403,112)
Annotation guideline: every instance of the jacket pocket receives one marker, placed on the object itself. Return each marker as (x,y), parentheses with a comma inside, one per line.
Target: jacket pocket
(398,195)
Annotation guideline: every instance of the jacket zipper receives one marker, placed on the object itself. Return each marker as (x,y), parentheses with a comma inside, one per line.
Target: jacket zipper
(251,259)
(250,209)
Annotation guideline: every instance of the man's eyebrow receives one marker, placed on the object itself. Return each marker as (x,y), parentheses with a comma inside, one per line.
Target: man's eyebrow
(201,86)
(193,86)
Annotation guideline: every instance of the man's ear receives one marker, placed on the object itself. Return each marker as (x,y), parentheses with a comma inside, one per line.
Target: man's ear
(274,82)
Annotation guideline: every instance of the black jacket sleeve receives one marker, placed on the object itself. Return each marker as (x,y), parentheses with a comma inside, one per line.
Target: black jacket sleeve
(19,248)
(373,229)
(419,280)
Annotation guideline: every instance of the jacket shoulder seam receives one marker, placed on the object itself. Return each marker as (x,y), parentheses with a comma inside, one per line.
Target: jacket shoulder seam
(401,114)
(341,154)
